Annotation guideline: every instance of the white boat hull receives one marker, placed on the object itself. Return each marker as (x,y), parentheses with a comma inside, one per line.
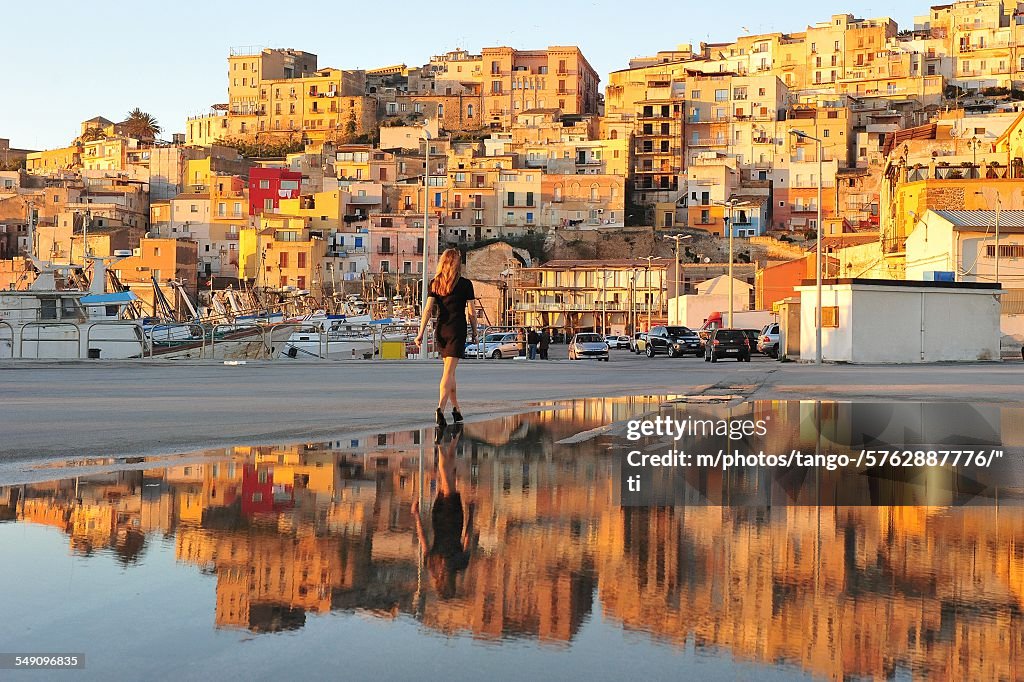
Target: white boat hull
(68,341)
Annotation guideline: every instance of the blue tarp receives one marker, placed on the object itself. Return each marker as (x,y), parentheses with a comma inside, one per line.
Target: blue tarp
(109,299)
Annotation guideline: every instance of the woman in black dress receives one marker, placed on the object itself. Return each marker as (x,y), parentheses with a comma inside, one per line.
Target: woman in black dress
(451,519)
(449,295)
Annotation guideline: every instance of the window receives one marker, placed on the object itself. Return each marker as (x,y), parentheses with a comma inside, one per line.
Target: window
(282,261)
(301,260)
(192,208)
(1005,250)
(695,94)
(264,184)
(722,95)
(830,316)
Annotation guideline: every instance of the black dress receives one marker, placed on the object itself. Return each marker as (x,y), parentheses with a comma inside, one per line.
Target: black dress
(450,327)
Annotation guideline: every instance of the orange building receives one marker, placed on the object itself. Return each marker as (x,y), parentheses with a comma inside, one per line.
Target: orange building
(518,80)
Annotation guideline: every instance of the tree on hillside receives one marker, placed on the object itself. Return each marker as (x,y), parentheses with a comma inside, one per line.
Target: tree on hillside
(140,125)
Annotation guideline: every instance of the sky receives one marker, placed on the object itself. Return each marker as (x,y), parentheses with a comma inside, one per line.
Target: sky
(65,62)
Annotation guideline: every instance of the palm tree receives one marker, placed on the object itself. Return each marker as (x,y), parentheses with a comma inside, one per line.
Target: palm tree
(141,125)
(92,134)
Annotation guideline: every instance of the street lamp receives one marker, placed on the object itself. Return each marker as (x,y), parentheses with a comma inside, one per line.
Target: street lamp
(675,281)
(799,134)
(649,260)
(426,226)
(973,145)
(729,205)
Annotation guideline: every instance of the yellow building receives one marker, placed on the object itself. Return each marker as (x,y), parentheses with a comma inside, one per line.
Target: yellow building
(54,160)
(109,153)
(281,94)
(282,253)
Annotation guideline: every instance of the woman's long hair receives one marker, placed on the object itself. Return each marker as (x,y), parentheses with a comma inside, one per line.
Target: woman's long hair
(449,269)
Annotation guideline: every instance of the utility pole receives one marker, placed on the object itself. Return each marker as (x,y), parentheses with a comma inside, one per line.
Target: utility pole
(675,280)
(426,226)
(817,266)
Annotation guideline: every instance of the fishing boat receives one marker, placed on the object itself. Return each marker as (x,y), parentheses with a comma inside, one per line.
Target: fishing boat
(52,322)
(339,337)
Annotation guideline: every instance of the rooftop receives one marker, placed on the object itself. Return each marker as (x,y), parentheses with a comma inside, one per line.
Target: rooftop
(1009,221)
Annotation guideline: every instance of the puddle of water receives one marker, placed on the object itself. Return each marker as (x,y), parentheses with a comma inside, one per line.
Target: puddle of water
(307,559)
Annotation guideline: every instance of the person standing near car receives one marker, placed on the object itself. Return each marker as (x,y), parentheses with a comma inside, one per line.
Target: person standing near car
(532,339)
(544,343)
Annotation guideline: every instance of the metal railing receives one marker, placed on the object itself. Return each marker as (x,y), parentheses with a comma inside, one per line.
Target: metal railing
(140,340)
(173,344)
(11,329)
(260,334)
(77,340)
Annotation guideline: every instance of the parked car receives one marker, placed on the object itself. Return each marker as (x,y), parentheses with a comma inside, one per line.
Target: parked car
(672,341)
(724,343)
(497,346)
(617,342)
(768,340)
(588,346)
(752,336)
(638,342)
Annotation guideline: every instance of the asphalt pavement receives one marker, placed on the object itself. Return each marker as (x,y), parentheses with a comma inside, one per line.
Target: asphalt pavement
(69,409)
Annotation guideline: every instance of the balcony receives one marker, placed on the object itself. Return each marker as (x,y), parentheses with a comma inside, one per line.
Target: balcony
(386,251)
(709,142)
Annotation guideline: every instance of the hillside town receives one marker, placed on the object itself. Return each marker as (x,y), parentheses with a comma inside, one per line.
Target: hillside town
(582,201)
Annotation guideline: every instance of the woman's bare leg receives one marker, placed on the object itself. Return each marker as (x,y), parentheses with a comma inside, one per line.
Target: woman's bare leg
(452,385)
(447,381)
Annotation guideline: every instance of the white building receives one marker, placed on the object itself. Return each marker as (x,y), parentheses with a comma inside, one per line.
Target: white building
(964,243)
(901,321)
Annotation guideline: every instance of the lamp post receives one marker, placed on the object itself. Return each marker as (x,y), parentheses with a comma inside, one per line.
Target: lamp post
(973,145)
(649,260)
(729,206)
(426,227)
(675,280)
(799,134)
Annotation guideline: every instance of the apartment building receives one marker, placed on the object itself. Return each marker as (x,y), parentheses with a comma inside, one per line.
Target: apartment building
(282,94)
(514,81)
(607,296)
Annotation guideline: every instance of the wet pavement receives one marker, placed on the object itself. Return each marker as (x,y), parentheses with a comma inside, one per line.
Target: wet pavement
(307,559)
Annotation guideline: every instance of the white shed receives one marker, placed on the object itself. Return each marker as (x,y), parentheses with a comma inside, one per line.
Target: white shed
(901,321)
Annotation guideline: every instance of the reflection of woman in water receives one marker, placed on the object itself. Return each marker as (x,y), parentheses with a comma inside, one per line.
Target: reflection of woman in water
(449,552)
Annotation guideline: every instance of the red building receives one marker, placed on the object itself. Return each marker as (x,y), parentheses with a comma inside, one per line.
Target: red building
(260,495)
(267,186)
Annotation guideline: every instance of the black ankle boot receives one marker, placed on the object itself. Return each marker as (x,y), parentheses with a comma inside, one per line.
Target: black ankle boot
(456,416)
(440,418)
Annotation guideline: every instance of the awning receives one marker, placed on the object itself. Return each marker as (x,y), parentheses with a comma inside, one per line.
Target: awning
(117,298)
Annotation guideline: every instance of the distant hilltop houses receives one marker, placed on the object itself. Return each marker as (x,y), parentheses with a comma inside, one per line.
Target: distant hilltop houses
(307,174)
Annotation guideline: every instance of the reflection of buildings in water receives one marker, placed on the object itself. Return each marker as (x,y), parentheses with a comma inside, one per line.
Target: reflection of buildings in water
(845,592)
(841,592)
